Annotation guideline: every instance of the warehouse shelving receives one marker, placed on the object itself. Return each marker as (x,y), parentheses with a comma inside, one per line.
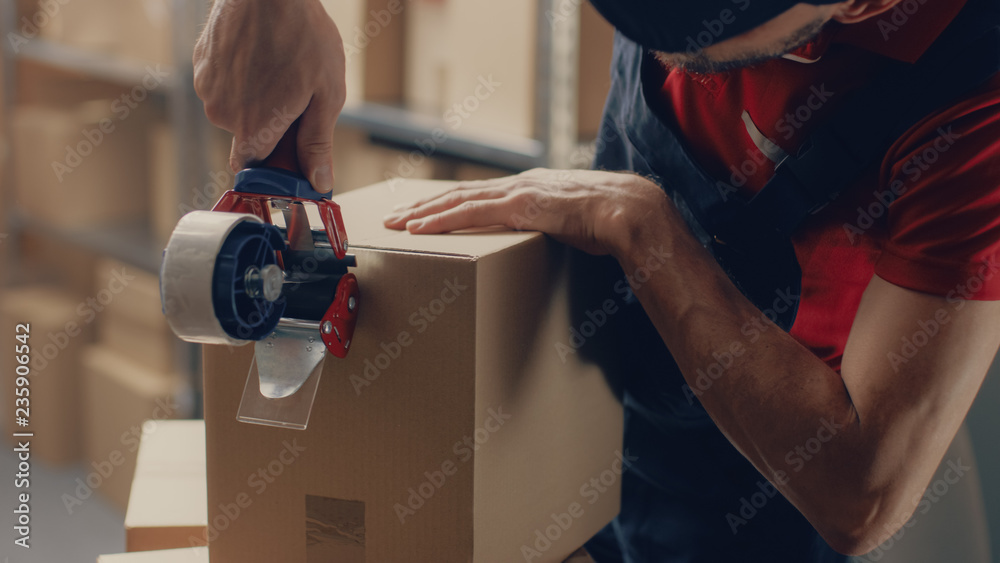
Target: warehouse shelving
(554,140)
(134,243)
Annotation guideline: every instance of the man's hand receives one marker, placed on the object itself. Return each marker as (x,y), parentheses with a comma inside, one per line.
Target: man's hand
(259,65)
(594,211)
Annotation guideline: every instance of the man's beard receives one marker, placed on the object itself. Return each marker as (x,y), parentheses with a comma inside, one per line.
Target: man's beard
(700,64)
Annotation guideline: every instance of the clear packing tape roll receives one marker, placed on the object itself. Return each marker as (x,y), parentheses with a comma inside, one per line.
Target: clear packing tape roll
(186,275)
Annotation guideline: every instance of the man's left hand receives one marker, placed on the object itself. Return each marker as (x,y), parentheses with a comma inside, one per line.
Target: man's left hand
(592,210)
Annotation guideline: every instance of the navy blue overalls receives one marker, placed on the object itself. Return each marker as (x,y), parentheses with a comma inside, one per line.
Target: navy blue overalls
(689,496)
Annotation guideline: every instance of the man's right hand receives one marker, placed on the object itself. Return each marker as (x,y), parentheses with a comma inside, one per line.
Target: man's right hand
(259,65)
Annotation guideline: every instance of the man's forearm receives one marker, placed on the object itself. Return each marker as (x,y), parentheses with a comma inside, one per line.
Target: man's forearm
(774,396)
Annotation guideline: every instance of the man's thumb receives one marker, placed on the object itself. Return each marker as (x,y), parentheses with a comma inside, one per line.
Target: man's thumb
(315,147)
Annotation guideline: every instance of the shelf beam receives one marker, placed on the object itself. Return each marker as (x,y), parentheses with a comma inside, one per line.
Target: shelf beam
(431,136)
(117,70)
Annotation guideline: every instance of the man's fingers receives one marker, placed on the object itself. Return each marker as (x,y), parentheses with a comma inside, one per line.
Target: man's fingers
(461,186)
(255,142)
(440,203)
(473,213)
(315,144)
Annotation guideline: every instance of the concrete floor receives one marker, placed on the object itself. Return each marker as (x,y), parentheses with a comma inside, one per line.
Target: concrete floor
(93,529)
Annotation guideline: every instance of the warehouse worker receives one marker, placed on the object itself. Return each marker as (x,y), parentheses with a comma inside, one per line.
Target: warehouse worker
(797,207)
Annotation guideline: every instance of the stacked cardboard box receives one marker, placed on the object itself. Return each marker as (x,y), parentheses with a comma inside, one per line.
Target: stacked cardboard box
(358,162)
(131,322)
(453,431)
(372,31)
(129,375)
(168,505)
(81,165)
(120,397)
(473,62)
(58,333)
(139,29)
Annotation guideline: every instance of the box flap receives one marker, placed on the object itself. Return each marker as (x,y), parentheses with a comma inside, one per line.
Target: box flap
(186,555)
(363,210)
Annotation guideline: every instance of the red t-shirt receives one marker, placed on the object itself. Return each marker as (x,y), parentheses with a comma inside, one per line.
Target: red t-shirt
(941,233)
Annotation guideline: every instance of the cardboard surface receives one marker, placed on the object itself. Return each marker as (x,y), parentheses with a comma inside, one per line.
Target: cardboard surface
(57,338)
(188,555)
(119,396)
(167,507)
(452,432)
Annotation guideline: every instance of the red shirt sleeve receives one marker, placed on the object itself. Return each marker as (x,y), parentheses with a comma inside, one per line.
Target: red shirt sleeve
(944,223)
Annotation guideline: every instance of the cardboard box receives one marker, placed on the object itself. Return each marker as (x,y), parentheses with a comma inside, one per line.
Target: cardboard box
(454,430)
(493,74)
(164,183)
(57,261)
(472,63)
(137,29)
(120,397)
(168,505)
(132,322)
(58,335)
(358,162)
(372,31)
(83,165)
(428,57)
(189,555)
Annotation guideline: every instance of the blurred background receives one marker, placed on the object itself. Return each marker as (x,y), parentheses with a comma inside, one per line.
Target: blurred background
(105,145)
